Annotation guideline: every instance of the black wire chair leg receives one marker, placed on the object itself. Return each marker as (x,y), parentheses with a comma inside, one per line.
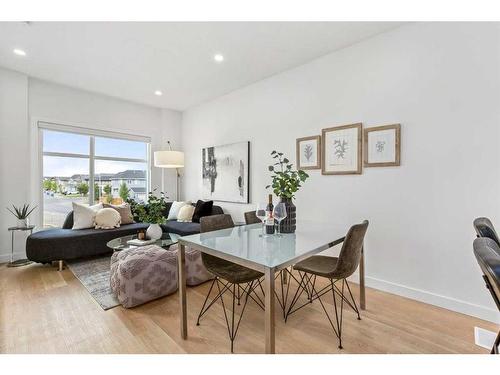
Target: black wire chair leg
(346,300)
(327,315)
(312,288)
(242,310)
(257,298)
(219,295)
(224,309)
(298,293)
(339,329)
(205,302)
(355,307)
(231,334)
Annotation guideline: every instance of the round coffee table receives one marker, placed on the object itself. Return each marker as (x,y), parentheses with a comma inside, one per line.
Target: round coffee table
(121,243)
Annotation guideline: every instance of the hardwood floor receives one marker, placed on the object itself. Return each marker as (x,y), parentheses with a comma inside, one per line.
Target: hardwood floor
(45,311)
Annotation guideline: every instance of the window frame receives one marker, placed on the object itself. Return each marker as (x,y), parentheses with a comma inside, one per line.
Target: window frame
(92,134)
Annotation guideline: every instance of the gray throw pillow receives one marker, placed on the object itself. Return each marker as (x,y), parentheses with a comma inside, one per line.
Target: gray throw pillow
(124,211)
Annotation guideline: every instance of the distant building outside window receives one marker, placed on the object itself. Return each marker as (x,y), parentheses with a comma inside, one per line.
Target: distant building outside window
(68,176)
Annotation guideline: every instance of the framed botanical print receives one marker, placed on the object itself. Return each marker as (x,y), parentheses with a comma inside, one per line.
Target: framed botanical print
(309,152)
(341,149)
(382,146)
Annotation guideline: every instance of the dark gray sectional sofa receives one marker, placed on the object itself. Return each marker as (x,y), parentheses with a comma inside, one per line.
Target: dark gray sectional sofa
(64,244)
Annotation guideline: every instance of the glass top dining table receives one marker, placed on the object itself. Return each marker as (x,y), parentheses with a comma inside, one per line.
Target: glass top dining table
(245,245)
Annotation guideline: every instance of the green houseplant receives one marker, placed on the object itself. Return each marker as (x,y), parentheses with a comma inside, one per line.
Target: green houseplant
(22,213)
(151,212)
(286,181)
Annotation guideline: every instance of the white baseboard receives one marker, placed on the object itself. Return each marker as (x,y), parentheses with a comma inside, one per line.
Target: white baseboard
(449,303)
(4,258)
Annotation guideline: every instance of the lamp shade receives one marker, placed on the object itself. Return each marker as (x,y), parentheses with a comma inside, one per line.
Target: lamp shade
(169,159)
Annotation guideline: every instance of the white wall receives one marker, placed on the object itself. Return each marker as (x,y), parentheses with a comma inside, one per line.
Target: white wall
(27,99)
(441,81)
(14,156)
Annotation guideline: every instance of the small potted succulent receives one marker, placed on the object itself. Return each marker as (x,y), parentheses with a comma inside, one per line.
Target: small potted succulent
(22,214)
(285,183)
(152,212)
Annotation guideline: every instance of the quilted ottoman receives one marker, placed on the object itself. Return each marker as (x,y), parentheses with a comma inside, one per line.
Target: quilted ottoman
(143,274)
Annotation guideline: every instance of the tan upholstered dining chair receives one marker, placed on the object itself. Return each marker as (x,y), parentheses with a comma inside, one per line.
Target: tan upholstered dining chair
(230,277)
(336,270)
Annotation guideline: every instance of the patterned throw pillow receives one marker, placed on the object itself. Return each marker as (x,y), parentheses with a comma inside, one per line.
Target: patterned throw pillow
(124,211)
(107,218)
(185,214)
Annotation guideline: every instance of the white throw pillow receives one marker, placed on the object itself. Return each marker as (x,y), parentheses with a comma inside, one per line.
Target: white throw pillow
(107,218)
(175,208)
(83,216)
(186,213)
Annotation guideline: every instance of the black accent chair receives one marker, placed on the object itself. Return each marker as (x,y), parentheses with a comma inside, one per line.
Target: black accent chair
(484,228)
(251,218)
(335,269)
(228,278)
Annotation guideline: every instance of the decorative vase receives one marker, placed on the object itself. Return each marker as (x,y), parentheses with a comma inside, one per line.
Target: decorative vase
(288,224)
(154,232)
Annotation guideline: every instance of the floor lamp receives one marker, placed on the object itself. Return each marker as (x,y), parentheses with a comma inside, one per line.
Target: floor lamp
(169,159)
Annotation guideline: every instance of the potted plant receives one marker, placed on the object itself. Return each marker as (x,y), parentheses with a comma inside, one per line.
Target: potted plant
(285,183)
(152,213)
(22,214)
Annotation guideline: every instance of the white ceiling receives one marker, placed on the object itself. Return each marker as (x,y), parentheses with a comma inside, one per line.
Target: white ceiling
(131,60)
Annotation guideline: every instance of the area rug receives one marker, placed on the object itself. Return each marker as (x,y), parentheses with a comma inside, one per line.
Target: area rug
(94,274)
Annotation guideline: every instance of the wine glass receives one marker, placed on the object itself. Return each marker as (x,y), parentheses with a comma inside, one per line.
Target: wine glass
(260,212)
(279,214)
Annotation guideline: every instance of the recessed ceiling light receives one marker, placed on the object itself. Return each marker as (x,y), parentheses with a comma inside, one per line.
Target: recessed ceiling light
(158,93)
(218,58)
(19,52)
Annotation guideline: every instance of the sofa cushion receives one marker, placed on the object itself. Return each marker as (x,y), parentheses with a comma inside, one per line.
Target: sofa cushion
(202,209)
(124,210)
(175,208)
(183,229)
(84,215)
(107,218)
(186,214)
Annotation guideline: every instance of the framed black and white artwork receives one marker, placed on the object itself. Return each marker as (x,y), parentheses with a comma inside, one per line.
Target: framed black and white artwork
(225,172)
(309,152)
(382,146)
(341,149)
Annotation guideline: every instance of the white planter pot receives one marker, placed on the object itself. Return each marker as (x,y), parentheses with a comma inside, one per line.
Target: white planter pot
(22,223)
(154,232)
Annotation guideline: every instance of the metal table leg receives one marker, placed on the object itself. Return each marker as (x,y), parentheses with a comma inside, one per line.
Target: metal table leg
(269,312)
(181,261)
(362,296)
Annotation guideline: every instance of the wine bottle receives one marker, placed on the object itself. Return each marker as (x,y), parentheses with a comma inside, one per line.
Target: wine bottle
(269,216)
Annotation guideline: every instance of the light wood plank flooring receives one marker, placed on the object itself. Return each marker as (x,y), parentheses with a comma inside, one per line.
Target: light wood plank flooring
(45,311)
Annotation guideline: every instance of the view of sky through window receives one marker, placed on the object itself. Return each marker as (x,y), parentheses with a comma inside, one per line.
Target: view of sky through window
(62,142)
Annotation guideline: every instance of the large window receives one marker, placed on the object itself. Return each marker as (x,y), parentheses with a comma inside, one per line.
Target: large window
(86,167)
